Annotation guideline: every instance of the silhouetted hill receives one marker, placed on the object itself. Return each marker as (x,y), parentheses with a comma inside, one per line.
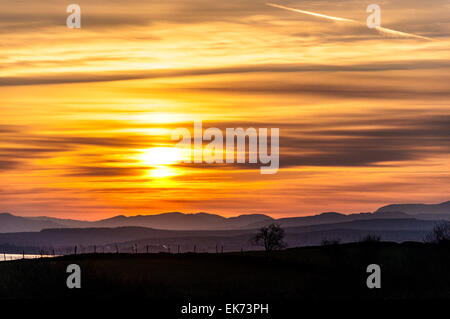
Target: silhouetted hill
(10,223)
(373,224)
(101,236)
(397,230)
(291,277)
(170,221)
(204,221)
(416,209)
(70,223)
(331,218)
(180,221)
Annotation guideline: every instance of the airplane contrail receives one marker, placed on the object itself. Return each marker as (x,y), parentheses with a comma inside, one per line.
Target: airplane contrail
(385,31)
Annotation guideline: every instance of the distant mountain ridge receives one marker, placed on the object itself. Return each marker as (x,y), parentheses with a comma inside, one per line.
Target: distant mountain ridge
(170,221)
(204,221)
(10,223)
(180,221)
(331,218)
(417,209)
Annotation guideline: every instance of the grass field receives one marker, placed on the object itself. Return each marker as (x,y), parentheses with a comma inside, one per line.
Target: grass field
(409,270)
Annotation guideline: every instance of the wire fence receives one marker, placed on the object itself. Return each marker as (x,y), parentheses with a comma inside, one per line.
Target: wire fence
(116,249)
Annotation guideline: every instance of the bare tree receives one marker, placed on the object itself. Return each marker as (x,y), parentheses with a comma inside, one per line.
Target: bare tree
(271,237)
(440,234)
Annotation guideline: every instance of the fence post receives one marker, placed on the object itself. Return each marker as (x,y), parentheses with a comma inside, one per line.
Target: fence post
(146,248)
(76,249)
(222,249)
(178,248)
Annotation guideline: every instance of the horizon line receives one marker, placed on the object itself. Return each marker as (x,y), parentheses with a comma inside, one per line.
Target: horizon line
(225,217)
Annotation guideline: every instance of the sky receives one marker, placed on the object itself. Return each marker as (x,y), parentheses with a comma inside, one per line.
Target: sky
(86,115)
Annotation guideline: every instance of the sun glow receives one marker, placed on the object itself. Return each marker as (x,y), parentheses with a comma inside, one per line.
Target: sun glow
(163,171)
(87,116)
(161,156)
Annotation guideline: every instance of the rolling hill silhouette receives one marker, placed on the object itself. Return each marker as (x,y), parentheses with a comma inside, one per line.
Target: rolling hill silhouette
(418,209)
(396,230)
(203,221)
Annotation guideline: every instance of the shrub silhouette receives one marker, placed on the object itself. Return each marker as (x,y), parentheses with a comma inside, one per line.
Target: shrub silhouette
(331,242)
(371,238)
(440,234)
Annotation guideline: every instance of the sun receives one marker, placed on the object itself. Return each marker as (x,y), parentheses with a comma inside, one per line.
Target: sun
(157,156)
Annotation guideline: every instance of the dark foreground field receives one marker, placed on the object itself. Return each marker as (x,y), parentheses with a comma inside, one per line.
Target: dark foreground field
(409,270)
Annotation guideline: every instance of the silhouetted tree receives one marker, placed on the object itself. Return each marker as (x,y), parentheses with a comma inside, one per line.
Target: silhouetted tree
(271,237)
(440,234)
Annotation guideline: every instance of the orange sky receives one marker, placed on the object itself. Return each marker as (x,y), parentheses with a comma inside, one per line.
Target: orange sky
(87,115)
